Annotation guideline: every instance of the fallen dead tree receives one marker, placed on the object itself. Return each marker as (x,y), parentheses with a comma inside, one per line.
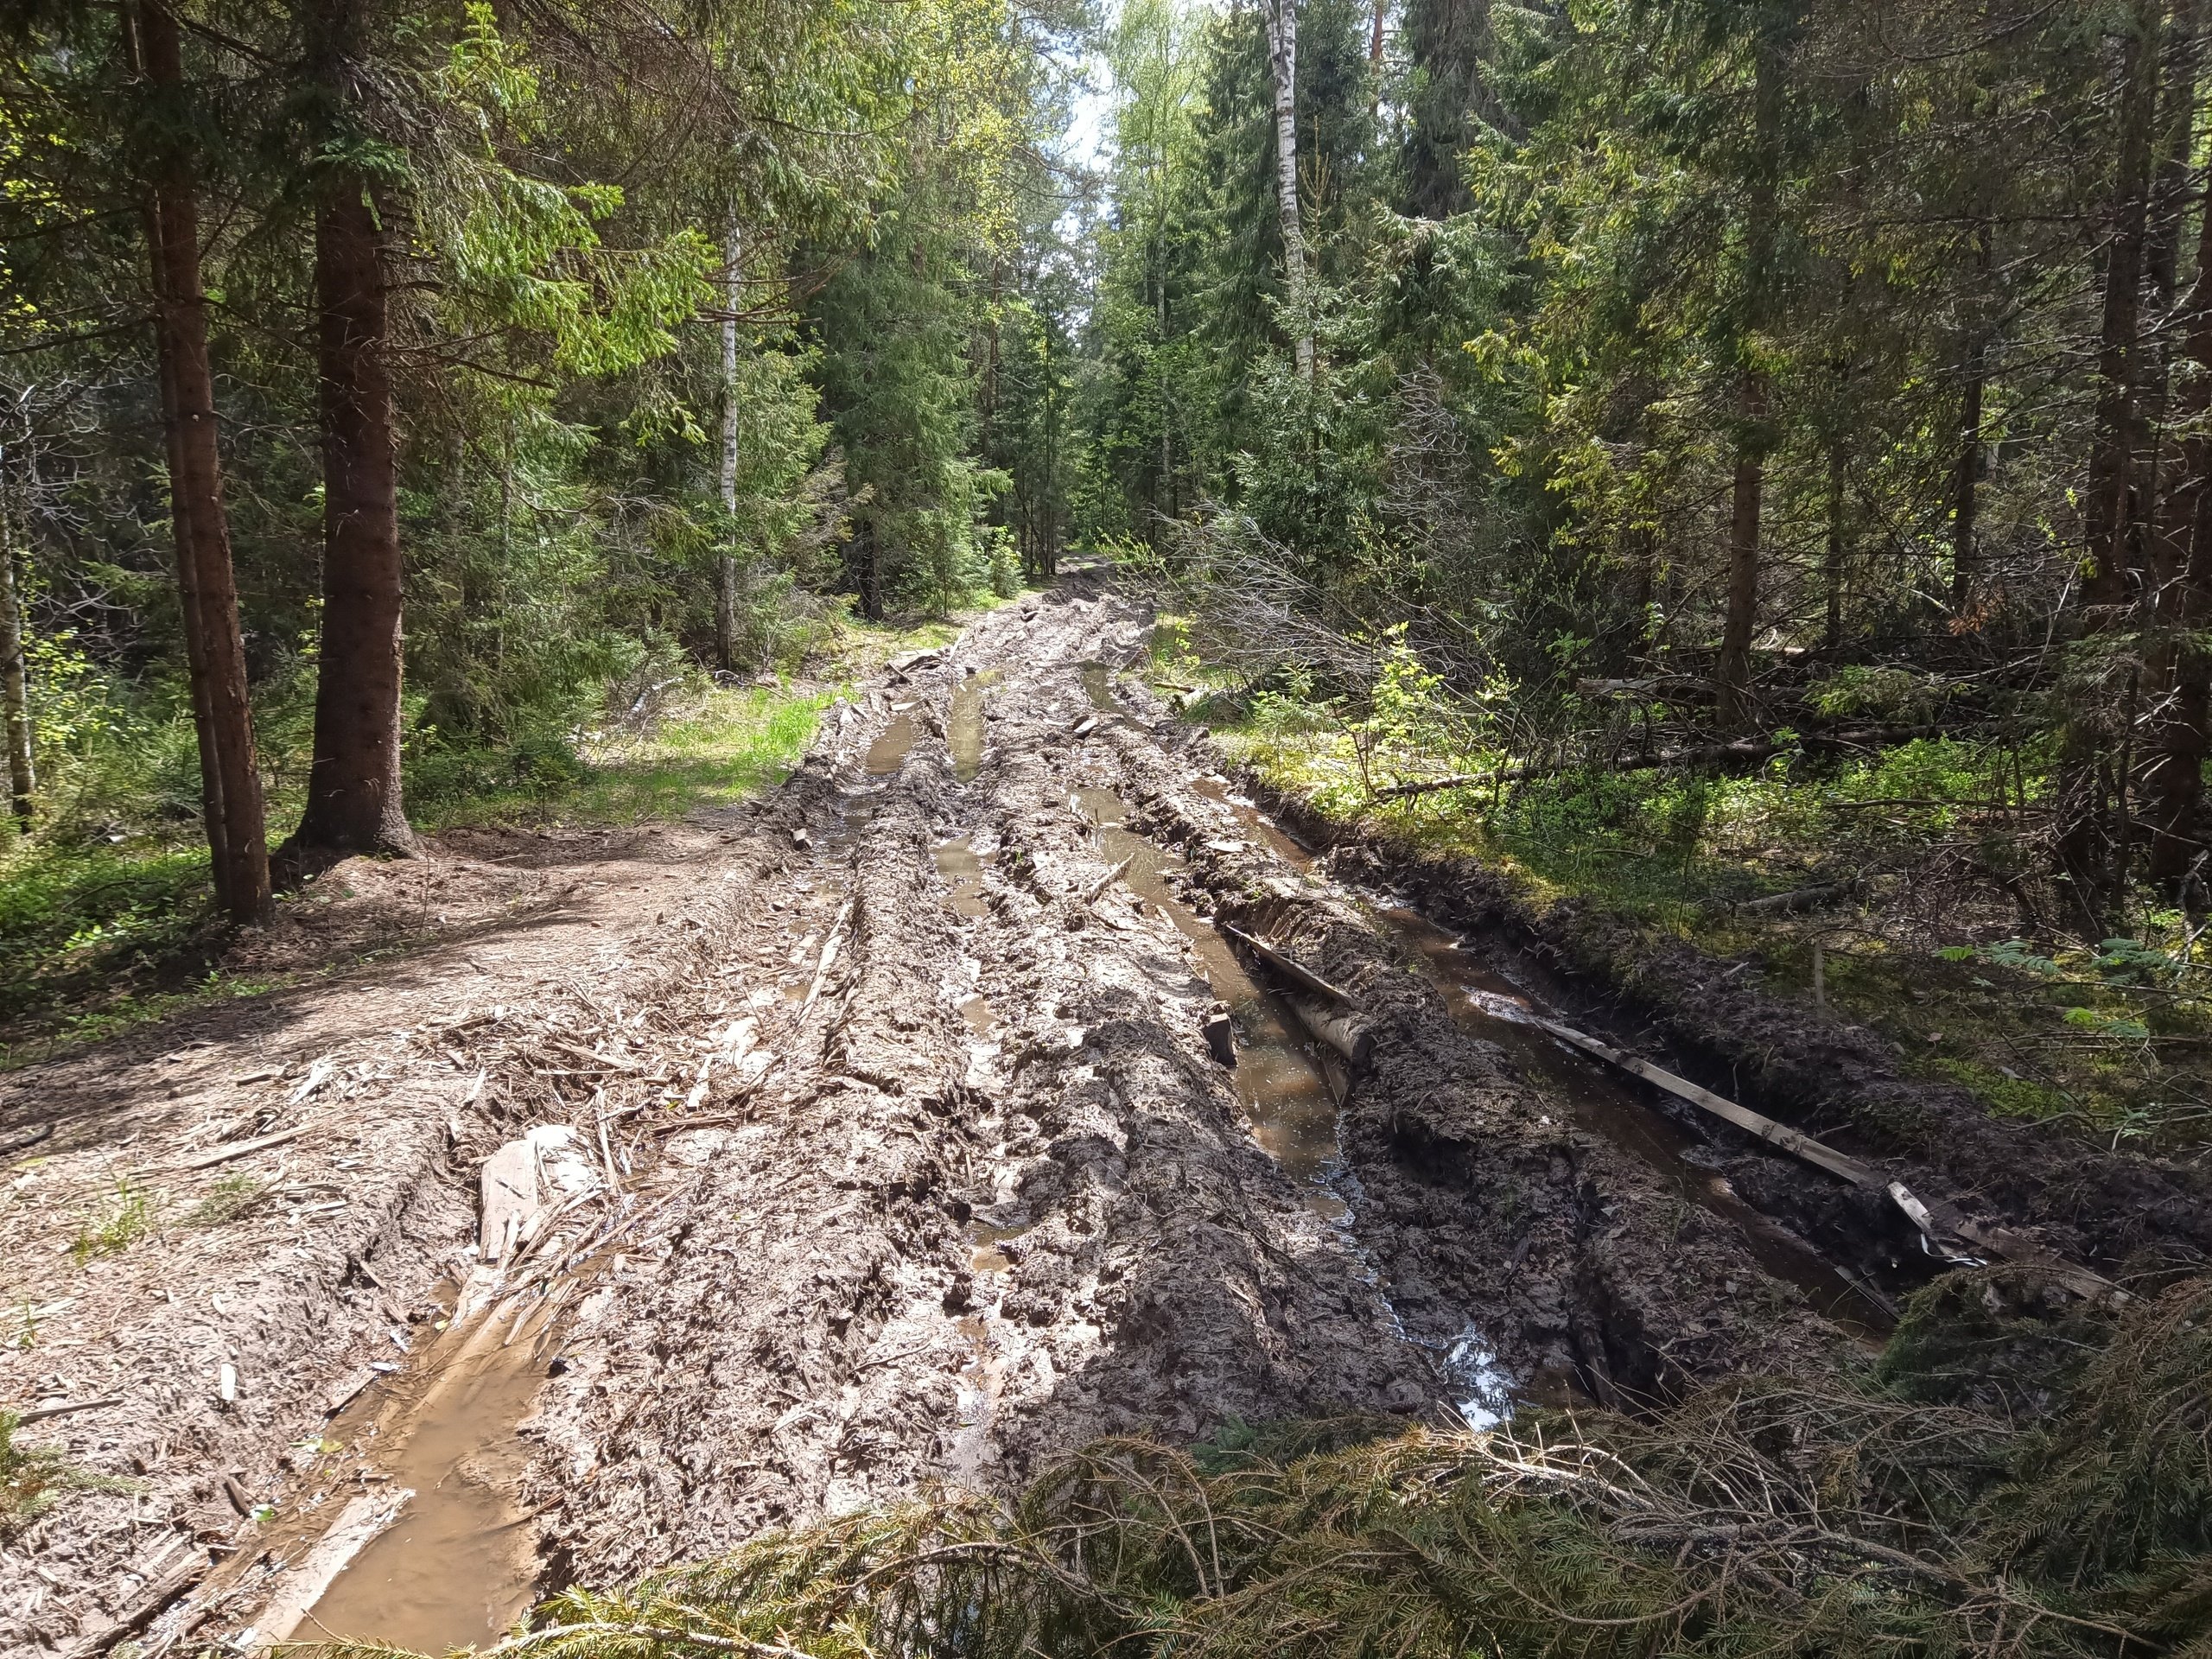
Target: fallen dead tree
(1955,1238)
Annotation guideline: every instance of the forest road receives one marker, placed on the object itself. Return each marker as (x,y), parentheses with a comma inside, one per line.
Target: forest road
(874,1135)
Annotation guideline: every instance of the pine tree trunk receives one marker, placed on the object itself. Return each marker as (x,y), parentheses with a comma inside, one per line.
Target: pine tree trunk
(1281,17)
(1753,439)
(355,803)
(726,567)
(2092,799)
(15,682)
(2179,668)
(1747,492)
(1831,559)
(2110,509)
(1966,485)
(215,646)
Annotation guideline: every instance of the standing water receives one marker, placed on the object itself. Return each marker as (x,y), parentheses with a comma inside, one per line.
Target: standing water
(1278,1082)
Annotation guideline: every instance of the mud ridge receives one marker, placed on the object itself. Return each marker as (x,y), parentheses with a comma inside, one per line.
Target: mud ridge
(1484,1204)
(2116,1211)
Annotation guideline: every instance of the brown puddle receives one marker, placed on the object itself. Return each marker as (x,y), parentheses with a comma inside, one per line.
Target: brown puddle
(978,1015)
(1098,686)
(964,730)
(888,752)
(1278,1082)
(459,1564)
(988,1254)
(962,872)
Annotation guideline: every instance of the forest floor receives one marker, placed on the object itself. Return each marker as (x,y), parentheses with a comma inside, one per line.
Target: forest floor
(691,1179)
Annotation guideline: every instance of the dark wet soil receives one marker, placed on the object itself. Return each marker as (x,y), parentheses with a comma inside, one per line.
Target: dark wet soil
(934,1170)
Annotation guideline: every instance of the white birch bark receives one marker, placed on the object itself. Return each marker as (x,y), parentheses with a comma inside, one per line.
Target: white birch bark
(726,570)
(1282,58)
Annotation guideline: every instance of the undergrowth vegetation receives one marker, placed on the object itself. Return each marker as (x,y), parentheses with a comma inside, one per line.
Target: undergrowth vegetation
(106,914)
(33,1477)
(2023,1475)
(1899,869)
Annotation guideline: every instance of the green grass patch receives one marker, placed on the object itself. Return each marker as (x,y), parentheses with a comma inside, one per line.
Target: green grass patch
(228,1198)
(131,1215)
(32,1478)
(106,918)
(724,746)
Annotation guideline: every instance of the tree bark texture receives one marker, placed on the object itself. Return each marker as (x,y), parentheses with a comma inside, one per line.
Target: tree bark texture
(2179,668)
(2109,509)
(215,645)
(1833,554)
(15,682)
(725,566)
(1747,489)
(1281,17)
(1966,485)
(354,802)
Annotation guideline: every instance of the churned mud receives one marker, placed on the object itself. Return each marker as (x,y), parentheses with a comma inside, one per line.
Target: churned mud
(921,1122)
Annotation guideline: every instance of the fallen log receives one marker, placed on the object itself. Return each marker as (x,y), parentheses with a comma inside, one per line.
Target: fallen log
(1091,893)
(1290,970)
(1339,1027)
(1789,904)
(1774,1133)
(1938,1232)
(140,1612)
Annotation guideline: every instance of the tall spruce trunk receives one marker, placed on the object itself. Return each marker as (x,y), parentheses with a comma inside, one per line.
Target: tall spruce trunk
(2110,506)
(15,681)
(1966,485)
(355,803)
(1753,436)
(1281,18)
(725,566)
(2177,666)
(1833,553)
(214,643)
(2090,828)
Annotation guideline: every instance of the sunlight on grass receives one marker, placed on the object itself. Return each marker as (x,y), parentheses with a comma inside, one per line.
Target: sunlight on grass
(2102,1036)
(721,746)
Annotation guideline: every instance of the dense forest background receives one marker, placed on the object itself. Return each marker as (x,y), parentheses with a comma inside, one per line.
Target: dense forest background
(1760,440)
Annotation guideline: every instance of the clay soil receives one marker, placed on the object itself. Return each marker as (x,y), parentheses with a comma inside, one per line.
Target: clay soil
(912,1163)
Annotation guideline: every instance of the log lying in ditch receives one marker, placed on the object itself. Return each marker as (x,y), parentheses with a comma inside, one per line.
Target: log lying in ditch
(1329,1015)
(1775,1135)
(1332,1016)
(1939,1234)
(1296,972)
(1339,1026)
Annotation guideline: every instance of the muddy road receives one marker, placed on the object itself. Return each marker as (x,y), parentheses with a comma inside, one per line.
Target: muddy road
(908,1126)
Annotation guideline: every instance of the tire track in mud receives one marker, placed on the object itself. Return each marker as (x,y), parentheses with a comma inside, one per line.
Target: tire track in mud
(997,1196)
(1015,1203)
(1496,1220)
(957,1241)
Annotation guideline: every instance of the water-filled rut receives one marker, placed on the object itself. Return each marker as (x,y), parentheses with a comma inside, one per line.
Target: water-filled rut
(1043,1153)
